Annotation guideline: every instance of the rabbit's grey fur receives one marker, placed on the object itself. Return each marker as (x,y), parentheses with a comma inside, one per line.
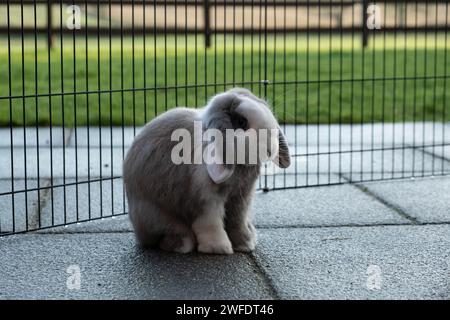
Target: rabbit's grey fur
(179,207)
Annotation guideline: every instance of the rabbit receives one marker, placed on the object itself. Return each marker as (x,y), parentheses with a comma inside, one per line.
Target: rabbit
(204,207)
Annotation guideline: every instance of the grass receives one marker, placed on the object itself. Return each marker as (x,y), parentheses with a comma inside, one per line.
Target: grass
(321,80)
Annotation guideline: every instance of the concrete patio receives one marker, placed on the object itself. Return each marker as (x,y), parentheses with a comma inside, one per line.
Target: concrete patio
(322,242)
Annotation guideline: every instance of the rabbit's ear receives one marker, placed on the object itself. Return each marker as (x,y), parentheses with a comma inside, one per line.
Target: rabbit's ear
(283,159)
(219,172)
(217,120)
(215,152)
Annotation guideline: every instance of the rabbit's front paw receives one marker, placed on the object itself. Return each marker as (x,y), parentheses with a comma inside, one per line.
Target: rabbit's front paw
(243,238)
(210,234)
(177,243)
(248,246)
(223,246)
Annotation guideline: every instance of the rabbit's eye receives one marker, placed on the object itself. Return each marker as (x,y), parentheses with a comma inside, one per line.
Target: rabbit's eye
(239,122)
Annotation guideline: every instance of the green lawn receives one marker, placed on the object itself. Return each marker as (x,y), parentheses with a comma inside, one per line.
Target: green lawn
(304,76)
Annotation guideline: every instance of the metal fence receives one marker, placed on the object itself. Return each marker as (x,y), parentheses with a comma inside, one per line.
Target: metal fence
(359,87)
(335,22)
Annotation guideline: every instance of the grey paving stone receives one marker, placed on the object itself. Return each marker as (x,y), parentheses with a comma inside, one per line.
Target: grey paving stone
(427,200)
(390,164)
(439,151)
(34,136)
(85,201)
(333,263)
(118,223)
(69,161)
(96,137)
(321,206)
(295,177)
(389,133)
(362,165)
(113,267)
(18,208)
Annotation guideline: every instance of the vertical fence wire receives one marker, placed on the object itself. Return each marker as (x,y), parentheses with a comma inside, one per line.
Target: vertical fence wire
(444,107)
(13,212)
(36,102)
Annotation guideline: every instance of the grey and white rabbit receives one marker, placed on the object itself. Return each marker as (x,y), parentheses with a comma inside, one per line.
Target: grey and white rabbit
(183,207)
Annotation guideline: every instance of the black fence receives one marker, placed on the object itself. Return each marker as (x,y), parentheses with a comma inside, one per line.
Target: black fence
(360,89)
(207,7)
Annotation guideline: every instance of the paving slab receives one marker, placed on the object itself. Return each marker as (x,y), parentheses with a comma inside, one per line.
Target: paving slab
(21,206)
(393,164)
(101,136)
(389,133)
(66,161)
(427,200)
(113,267)
(404,262)
(82,201)
(117,223)
(32,136)
(321,206)
(284,179)
(368,163)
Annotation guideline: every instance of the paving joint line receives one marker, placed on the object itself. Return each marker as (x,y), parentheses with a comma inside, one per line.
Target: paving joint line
(69,136)
(434,155)
(347,225)
(406,224)
(44,193)
(383,201)
(44,196)
(265,277)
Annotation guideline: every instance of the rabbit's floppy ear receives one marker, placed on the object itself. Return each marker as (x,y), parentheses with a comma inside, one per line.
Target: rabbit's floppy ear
(219,172)
(282,159)
(217,120)
(215,155)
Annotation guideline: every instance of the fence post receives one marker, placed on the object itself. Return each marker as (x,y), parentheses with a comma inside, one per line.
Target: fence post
(207,27)
(365,31)
(49,24)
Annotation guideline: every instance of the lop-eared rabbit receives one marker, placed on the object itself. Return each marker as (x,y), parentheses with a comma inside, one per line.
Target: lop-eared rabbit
(206,206)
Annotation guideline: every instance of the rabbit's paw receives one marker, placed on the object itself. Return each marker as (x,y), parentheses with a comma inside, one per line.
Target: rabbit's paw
(177,243)
(223,246)
(244,238)
(247,246)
